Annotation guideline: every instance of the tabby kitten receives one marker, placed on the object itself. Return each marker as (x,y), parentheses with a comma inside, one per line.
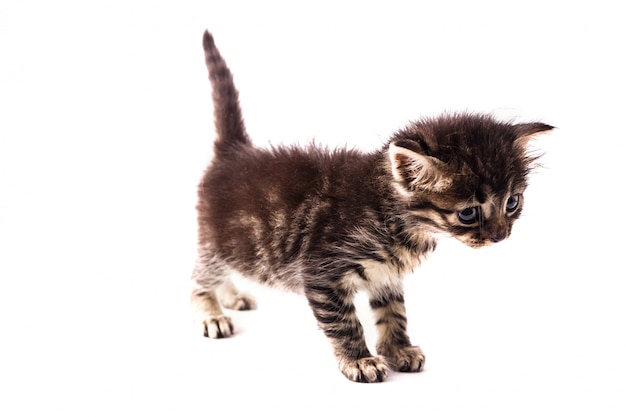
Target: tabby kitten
(327,223)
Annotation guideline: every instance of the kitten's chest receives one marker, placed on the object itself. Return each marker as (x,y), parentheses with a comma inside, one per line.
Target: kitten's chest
(379,277)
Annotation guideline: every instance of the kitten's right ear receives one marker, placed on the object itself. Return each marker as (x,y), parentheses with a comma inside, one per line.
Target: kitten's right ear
(415,171)
(526,131)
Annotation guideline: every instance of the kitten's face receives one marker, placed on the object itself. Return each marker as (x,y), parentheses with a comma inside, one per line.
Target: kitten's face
(479,218)
(463,175)
(484,219)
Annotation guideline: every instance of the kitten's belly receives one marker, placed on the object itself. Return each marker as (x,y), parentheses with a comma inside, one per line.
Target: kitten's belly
(286,278)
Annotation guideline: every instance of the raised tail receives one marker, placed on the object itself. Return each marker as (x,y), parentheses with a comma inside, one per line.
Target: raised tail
(229,125)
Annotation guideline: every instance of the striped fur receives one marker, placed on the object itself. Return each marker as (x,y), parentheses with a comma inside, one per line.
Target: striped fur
(328,223)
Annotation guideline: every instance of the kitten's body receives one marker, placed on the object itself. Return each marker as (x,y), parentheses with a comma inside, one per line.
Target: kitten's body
(328,223)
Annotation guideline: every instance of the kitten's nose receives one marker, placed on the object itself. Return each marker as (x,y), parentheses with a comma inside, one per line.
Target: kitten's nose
(496,237)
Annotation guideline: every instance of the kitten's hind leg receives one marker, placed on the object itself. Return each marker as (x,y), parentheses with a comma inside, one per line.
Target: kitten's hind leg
(210,286)
(213,323)
(231,298)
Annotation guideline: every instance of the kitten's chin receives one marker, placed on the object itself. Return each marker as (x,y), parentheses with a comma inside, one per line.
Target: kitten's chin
(477,243)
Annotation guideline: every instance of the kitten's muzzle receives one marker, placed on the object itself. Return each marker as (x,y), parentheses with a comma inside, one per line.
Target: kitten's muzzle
(495,233)
(498,237)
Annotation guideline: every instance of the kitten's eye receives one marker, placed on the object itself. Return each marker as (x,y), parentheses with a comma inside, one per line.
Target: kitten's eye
(468,215)
(512,203)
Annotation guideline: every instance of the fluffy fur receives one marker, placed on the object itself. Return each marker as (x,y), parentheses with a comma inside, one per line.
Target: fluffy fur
(328,223)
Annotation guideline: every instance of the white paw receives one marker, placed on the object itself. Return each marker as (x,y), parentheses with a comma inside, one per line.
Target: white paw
(370,369)
(217,327)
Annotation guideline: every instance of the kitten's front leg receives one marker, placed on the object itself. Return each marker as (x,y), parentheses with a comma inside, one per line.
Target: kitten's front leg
(336,315)
(393,340)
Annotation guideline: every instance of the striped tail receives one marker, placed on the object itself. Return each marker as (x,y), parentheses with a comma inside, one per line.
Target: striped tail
(229,125)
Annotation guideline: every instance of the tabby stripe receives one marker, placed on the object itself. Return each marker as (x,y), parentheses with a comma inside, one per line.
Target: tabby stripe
(393,319)
(428,220)
(328,304)
(360,271)
(386,300)
(427,205)
(463,230)
(400,338)
(331,304)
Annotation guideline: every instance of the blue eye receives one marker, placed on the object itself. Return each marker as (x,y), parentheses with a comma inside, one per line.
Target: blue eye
(512,203)
(469,215)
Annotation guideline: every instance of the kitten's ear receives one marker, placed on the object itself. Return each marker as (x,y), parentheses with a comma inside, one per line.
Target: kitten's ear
(416,171)
(526,131)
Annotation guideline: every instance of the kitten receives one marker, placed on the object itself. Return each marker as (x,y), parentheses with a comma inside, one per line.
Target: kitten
(327,223)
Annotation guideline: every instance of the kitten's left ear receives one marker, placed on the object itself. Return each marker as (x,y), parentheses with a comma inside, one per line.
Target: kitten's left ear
(526,131)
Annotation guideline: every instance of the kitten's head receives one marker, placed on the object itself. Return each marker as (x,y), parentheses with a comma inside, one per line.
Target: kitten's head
(463,174)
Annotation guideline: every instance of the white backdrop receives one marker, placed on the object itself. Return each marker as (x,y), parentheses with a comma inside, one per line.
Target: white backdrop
(106,127)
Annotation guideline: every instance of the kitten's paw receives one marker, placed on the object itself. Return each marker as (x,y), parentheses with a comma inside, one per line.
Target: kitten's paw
(370,369)
(407,359)
(240,302)
(217,327)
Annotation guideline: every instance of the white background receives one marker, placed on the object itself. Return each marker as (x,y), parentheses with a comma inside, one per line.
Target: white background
(106,127)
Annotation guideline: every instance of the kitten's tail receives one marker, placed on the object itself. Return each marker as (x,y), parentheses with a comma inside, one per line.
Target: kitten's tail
(231,131)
